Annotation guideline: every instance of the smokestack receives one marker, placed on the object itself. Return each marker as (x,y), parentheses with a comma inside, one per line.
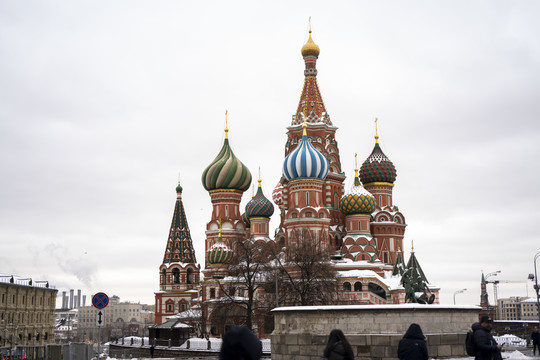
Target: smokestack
(84,300)
(79,298)
(64,300)
(71,291)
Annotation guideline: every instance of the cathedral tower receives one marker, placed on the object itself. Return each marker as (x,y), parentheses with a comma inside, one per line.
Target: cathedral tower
(388,225)
(320,133)
(225,179)
(179,272)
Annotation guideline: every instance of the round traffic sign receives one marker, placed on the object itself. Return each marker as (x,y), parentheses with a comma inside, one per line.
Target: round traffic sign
(100,300)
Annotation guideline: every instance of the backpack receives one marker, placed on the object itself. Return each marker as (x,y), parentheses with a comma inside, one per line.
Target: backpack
(470,346)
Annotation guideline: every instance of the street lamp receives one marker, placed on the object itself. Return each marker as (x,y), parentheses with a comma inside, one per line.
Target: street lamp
(495,273)
(536,286)
(458,292)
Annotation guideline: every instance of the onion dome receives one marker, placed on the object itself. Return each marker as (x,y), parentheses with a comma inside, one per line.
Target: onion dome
(259,206)
(377,167)
(310,48)
(219,253)
(277,194)
(226,171)
(305,162)
(246,221)
(358,200)
(179,188)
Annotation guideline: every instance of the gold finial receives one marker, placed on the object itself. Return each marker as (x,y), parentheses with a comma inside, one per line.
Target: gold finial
(304,127)
(260,176)
(226,129)
(355,165)
(219,235)
(412,245)
(310,48)
(252,191)
(376,132)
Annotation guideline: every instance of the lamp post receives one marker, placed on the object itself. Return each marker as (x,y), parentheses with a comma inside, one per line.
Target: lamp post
(458,292)
(536,286)
(495,273)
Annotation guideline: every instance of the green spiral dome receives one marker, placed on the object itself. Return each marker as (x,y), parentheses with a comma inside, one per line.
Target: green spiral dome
(226,172)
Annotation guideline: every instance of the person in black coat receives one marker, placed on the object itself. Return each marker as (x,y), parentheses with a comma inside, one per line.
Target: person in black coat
(240,343)
(413,344)
(486,346)
(535,337)
(338,348)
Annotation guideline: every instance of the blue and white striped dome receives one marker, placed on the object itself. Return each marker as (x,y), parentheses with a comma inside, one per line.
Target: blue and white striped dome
(305,162)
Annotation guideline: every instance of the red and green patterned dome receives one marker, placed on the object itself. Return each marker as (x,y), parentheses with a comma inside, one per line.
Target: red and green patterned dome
(377,167)
(358,200)
(259,206)
(219,253)
(226,171)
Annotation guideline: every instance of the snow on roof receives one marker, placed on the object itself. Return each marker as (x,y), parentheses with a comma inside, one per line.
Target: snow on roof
(375,307)
(228,299)
(391,283)
(188,314)
(529,300)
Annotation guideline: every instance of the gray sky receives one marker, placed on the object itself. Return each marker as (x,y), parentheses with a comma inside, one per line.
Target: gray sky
(103,104)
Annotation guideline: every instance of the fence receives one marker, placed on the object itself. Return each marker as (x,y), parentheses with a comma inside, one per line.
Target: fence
(73,351)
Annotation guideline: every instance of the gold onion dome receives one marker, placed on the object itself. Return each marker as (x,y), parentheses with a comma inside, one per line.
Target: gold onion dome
(226,171)
(310,48)
(358,200)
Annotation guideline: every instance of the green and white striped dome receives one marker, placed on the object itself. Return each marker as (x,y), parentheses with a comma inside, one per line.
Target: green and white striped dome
(226,171)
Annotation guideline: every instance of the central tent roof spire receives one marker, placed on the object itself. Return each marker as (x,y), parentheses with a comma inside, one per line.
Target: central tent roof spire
(311,106)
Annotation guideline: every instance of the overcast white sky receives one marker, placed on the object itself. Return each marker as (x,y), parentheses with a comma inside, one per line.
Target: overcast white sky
(104,103)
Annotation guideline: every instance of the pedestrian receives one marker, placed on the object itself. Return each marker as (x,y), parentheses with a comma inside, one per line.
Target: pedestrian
(338,348)
(151,351)
(240,343)
(413,344)
(486,346)
(535,337)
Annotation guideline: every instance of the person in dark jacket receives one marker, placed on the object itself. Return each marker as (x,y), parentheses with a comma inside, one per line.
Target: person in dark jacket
(240,343)
(535,337)
(486,346)
(413,344)
(338,348)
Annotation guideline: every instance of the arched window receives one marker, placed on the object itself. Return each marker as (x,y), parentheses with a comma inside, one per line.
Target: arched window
(189,277)
(176,276)
(377,290)
(385,258)
(358,286)
(347,286)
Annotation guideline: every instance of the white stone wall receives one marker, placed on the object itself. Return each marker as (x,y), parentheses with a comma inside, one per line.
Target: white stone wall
(373,331)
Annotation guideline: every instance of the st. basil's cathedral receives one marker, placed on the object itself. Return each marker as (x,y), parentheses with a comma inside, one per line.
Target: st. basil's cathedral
(360,231)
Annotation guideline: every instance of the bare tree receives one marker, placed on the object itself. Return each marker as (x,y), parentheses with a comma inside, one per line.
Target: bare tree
(247,274)
(309,277)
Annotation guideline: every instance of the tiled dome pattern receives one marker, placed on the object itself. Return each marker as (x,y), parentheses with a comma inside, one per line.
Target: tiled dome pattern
(357,201)
(377,168)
